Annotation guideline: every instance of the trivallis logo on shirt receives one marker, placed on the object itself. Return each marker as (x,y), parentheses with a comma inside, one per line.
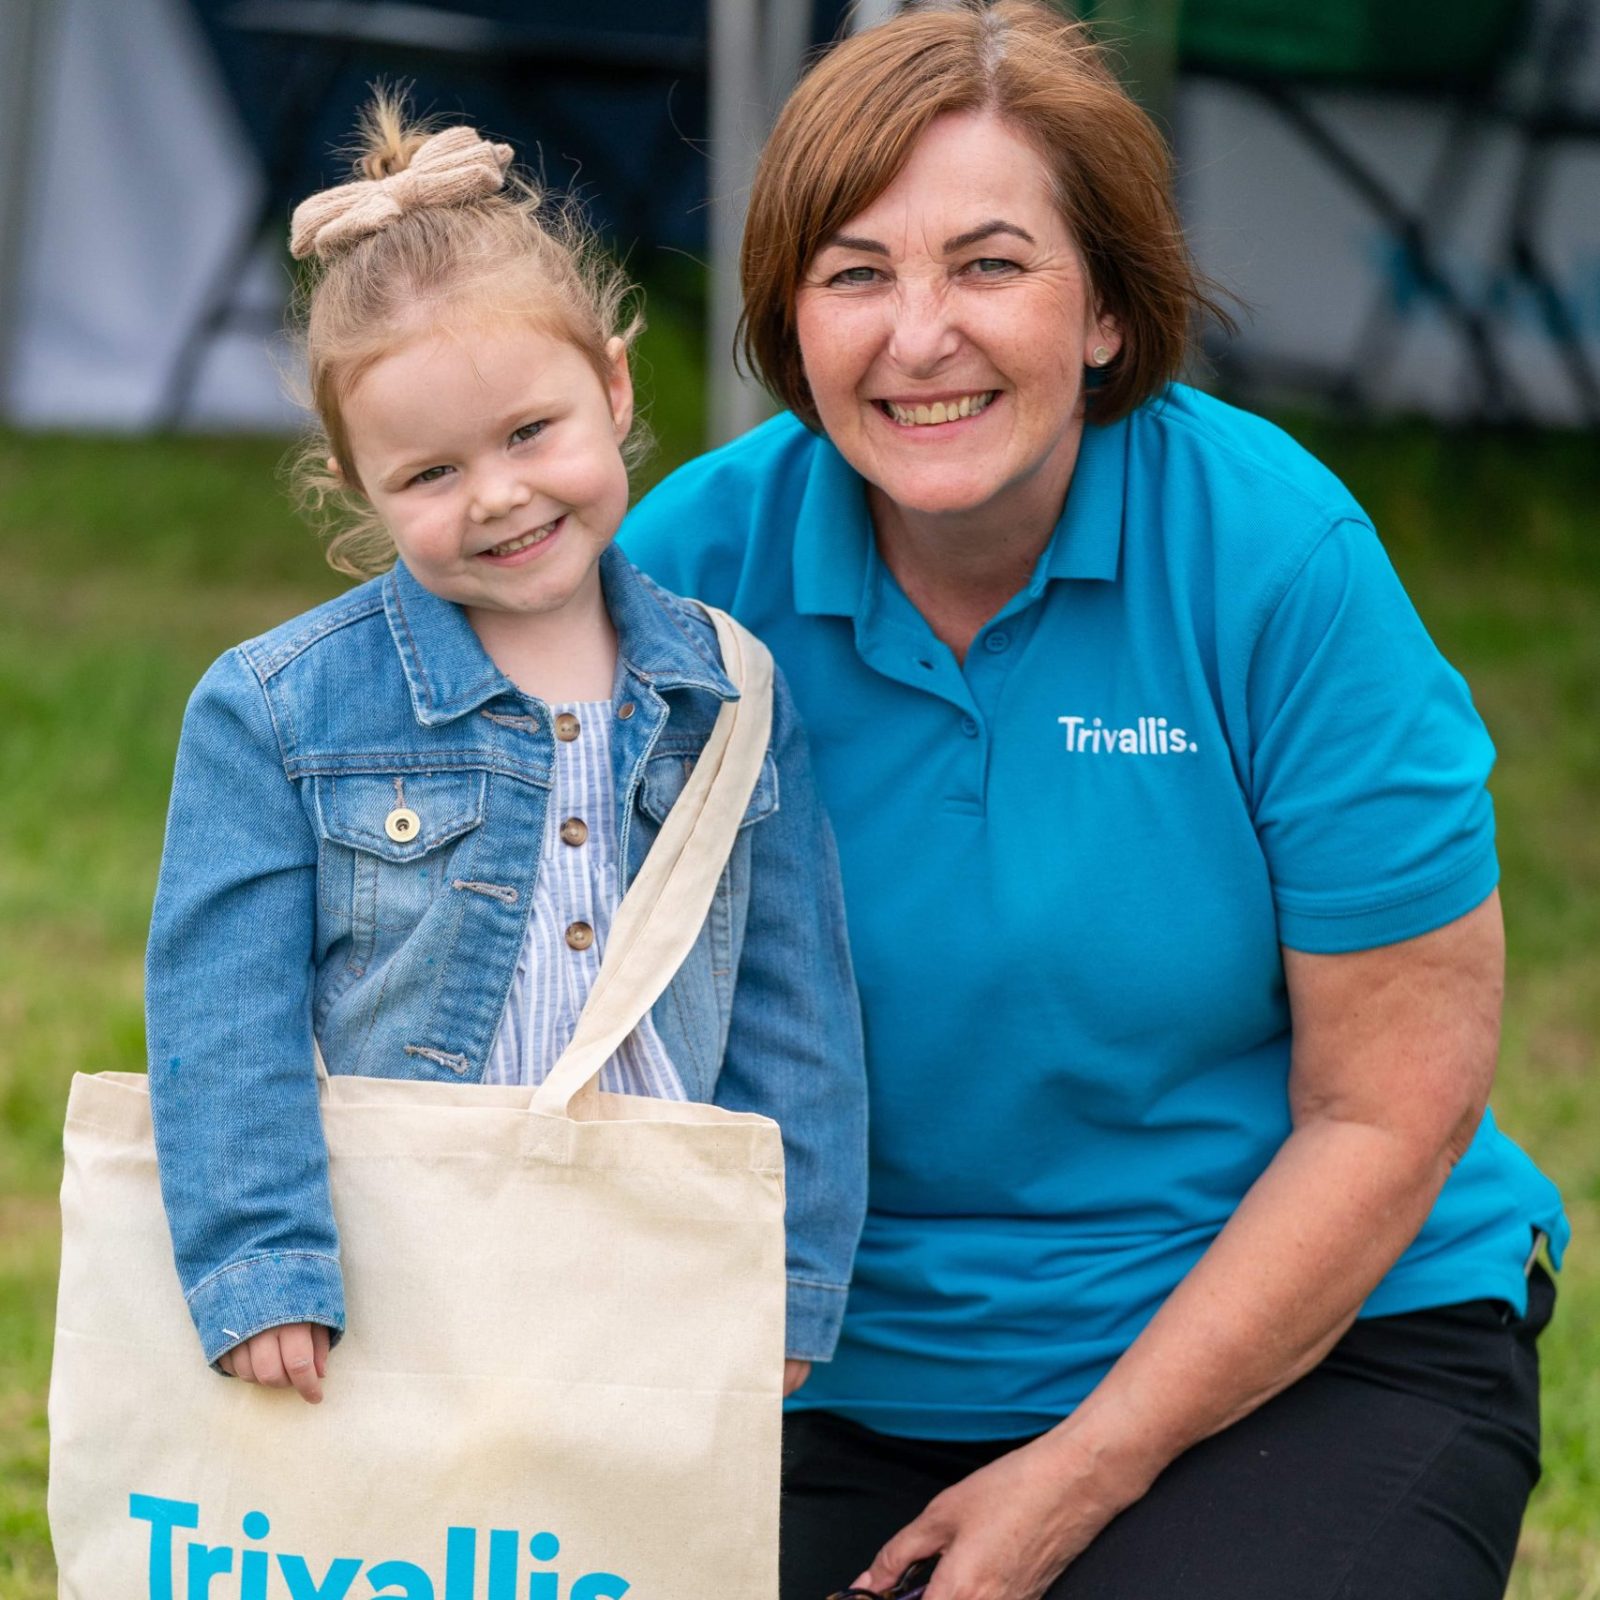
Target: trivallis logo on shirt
(1148,736)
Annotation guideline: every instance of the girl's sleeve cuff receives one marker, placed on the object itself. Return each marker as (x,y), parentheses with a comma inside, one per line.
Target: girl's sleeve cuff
(815,1314)
(248,1297)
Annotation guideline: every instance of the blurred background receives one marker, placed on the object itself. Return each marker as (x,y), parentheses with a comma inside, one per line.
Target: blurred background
(1405,198)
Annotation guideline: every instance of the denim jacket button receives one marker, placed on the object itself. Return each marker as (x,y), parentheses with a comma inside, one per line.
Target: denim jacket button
(567,727)
(574,831)
(580,935)
(626,710)
(401,824)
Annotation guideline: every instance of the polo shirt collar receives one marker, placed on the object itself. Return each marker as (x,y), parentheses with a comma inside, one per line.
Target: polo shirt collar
(1087,542)
(833,537)
(449,673)
(833,541)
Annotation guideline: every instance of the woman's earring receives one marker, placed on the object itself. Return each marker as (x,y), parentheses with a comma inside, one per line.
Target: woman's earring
(1101,355)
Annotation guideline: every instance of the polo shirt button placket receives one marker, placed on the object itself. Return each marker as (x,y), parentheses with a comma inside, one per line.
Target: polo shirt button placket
(969,726)
(998,642)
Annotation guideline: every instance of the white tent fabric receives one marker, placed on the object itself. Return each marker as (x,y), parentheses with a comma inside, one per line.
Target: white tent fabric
(139,178)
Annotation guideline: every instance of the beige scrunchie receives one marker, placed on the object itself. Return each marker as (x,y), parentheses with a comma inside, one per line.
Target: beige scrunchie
(452,166)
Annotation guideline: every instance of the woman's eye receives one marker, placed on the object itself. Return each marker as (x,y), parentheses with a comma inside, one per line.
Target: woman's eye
(529,430)
(990,266)
(855,276)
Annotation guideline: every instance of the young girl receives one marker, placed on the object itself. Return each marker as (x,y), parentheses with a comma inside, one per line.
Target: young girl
(401,823)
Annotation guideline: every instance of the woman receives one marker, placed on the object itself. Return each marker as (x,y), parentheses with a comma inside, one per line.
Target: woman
(1195,1265)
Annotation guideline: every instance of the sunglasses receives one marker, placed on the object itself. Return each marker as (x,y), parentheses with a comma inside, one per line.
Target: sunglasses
(912,1584)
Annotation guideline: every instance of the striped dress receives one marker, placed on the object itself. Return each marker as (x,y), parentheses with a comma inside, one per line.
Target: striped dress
(578,890)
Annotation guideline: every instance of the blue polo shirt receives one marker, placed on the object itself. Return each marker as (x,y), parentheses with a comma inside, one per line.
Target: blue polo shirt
(1211,724)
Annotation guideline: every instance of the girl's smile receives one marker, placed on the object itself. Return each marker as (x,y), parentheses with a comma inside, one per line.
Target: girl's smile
(492,453)
(525,546)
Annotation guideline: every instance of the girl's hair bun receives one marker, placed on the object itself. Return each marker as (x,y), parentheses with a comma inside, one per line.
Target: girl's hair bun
(386,141)
(432,225)
(448,168)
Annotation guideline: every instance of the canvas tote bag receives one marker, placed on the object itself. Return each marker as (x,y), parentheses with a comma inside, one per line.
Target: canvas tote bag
(562,1375)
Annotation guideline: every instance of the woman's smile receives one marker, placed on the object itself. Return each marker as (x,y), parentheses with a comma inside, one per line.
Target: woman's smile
(945,329)
(937,412)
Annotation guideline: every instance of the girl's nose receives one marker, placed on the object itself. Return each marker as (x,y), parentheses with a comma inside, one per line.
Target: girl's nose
(922,335)
(496,495)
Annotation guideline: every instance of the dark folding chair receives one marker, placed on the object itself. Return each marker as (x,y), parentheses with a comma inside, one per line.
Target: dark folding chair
(328,38)
(1466,56)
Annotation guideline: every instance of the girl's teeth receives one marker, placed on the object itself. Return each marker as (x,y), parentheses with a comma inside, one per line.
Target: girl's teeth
(511,546)
(969,405)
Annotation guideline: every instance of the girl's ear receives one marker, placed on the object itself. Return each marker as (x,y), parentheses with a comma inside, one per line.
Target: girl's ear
(619,387)
(335,468)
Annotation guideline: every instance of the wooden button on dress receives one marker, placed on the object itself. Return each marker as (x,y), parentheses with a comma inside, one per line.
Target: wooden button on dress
(401,824)
(574,831)
(567,727)
(580,935)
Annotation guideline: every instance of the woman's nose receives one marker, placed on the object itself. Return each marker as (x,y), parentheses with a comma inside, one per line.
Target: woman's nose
(497,494)
(923,334)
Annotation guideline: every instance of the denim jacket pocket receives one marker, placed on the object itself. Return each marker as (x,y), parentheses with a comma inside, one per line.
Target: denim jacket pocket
(667,771)
(386,841)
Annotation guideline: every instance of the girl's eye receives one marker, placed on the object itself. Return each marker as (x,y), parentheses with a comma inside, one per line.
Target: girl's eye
(430,474)
(529,430)
(853,276)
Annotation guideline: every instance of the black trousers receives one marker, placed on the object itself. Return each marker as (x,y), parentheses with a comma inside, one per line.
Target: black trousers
(1398,1470)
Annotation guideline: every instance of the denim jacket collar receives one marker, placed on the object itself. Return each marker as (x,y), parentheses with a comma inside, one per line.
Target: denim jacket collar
(449,673)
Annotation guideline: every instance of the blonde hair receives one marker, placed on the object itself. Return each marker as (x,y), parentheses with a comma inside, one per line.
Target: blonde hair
(509,252)
(850,126)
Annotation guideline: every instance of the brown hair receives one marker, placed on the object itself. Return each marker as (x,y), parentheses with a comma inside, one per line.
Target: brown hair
(849,128)
(507,253)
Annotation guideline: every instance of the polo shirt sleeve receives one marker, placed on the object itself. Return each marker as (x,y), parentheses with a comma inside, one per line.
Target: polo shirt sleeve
(1368,761)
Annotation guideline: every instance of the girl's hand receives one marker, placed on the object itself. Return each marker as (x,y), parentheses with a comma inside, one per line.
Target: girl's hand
(794,1374)
(1006,1532)
(294,1355)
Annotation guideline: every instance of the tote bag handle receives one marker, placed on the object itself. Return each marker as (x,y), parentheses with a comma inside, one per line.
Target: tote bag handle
(664,909)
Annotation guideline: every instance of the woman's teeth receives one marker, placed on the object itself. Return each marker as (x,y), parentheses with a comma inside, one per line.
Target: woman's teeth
(969,405)
(522,541)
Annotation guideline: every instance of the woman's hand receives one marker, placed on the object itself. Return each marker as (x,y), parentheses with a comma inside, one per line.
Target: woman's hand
(1007,1531)
(794,1374)
(1394,1051)
(295,1355)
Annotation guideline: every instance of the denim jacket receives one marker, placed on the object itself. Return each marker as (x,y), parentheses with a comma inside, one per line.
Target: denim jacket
(286,911)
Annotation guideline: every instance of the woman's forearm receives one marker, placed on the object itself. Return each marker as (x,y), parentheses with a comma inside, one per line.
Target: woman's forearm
(1276,1288)
(1394,1052)
(1271,1296)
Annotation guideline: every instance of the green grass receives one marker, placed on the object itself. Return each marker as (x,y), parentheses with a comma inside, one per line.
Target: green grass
(127,565)
(1497,543)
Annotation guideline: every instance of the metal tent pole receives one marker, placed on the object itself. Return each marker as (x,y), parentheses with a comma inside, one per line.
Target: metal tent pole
(23,36)
(738,123)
